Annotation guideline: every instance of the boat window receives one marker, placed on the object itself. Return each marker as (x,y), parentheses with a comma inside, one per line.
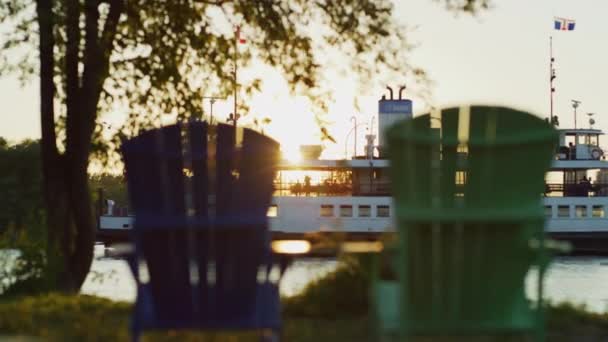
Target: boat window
(327,210)
(273,211)
(582,138)
(365,210)
(548,211)
(593,140)
(570,139)
(563,211)
(462,148)
(580,211)
(383,211)
(346,211)
(598,211)
(460,178)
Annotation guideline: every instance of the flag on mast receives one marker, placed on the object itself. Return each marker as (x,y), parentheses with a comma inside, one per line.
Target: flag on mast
(563,24)
(238,36)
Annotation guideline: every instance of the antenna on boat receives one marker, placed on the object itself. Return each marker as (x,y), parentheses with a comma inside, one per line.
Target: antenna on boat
(575,104)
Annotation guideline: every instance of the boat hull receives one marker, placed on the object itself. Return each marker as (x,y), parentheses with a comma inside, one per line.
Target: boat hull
(584,243)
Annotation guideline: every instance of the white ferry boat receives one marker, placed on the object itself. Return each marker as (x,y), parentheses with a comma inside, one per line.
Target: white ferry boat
(353,195)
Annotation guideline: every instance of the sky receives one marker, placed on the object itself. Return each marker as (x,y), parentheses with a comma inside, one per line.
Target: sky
(500,56)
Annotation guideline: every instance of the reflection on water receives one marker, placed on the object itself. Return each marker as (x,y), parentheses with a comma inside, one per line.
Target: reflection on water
(579,280)
(112,278)
(575,279)
(7,265)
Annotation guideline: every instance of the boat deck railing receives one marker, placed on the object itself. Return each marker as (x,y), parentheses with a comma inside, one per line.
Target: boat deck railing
(373,188)
(582,189)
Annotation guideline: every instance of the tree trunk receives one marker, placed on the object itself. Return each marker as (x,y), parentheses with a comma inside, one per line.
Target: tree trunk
(65,271)
(70,223)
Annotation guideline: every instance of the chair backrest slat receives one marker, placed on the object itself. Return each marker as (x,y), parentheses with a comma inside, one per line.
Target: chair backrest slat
(467,198)
(202,261)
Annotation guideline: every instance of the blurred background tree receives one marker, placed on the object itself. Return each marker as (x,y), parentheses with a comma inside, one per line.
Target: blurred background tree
(157,57)
(22,240)
(113,187)
(20,179)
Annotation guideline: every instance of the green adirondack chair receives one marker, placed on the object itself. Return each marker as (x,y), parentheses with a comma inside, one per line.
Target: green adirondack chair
(466,187)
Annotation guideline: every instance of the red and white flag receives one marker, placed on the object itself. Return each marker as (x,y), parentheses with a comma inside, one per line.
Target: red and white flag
(238,36)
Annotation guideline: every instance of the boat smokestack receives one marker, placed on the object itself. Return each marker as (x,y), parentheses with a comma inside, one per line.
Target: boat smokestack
(390,91)
(391,111)
(401,89)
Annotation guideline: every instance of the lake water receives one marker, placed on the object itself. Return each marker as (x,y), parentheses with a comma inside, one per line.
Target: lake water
(581,280)
(112,278)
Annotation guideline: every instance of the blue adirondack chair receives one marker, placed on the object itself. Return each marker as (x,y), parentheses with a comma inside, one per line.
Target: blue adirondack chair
(202,257)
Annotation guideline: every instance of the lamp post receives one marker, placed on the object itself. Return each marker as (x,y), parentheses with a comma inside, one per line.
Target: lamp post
(575,104)
(354,128)
(212,100)
(237,40)
(235,84)
(354,118)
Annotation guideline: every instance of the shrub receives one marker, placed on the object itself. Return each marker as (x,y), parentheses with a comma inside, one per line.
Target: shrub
(23,259)
(341,293)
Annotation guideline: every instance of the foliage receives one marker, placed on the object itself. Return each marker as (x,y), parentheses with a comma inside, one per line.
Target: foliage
(114,187)
(86,318)
(20,184)
(566,320)
(168,55)
(22,224)
(341,293)
(23,260)
(65,318)
(159,57)
(472,6)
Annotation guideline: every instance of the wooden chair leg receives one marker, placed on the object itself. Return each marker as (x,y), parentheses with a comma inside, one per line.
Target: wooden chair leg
(270,335)
(135,330)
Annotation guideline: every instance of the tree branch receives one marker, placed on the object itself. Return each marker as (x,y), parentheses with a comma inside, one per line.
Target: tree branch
(98,49)
(96,62)
(109,27)
(216,3)
(92,60)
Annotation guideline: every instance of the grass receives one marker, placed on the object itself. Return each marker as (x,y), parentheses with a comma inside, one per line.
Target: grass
(332,308)
(55,317)
(568,322)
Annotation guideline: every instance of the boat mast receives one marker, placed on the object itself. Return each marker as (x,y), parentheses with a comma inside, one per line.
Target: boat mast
(551,78)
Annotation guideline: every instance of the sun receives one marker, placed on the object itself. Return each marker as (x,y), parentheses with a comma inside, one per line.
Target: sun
(293,156)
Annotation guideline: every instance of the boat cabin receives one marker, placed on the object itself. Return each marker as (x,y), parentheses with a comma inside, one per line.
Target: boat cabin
(579,144)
